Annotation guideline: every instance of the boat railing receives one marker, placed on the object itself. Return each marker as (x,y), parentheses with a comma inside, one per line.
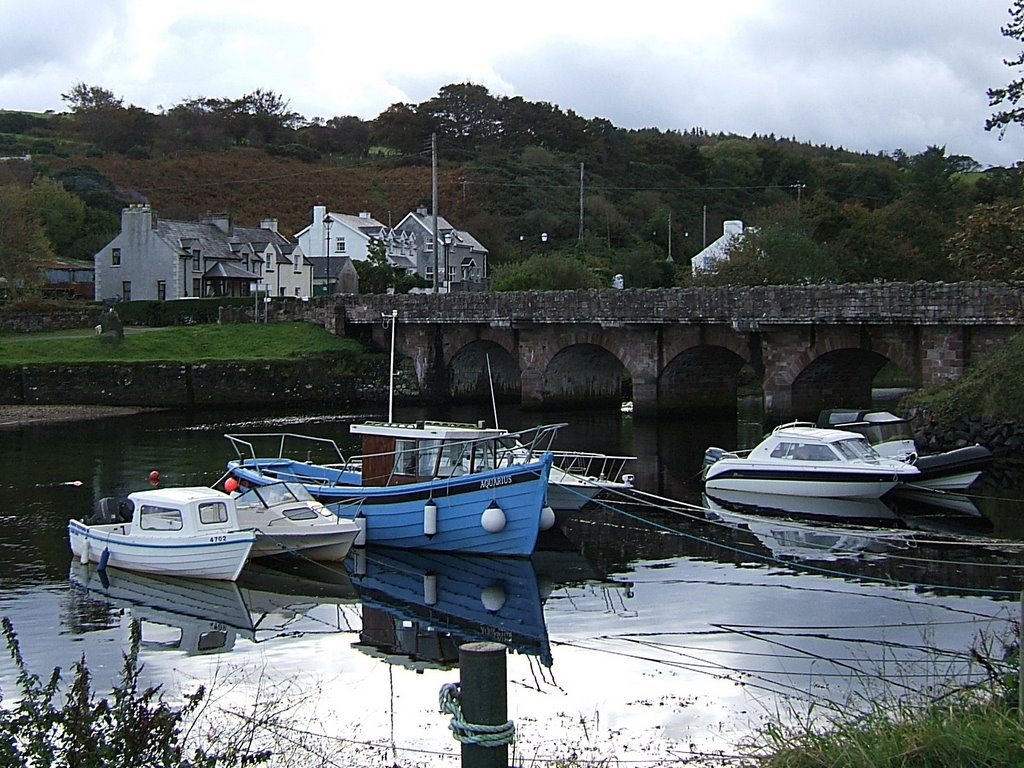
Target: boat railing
(598,466)
(455,457)
(289,445)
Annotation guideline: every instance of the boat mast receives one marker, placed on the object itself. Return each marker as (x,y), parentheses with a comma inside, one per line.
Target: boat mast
(393,319)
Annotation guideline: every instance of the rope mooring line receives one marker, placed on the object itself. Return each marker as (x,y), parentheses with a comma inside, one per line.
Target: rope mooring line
(450,702)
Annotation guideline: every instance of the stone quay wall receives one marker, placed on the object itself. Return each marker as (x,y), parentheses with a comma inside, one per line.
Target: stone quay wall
(263,385)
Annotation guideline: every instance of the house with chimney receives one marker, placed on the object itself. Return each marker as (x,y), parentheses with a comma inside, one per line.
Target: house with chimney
(163,259)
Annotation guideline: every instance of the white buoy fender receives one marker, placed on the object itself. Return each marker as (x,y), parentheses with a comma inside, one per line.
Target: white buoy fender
(547,518)
(493,597)
(429,589)
(83,558)
(493,518)
(360,521)
(429,518)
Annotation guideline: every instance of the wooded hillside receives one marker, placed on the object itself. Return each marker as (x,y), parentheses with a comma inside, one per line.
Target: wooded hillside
(510,172)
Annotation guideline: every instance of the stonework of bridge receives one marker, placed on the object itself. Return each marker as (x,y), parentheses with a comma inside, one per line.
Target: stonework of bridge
(685,350)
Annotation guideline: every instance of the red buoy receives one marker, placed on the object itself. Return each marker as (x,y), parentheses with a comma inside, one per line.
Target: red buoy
(230,485)
(154,477)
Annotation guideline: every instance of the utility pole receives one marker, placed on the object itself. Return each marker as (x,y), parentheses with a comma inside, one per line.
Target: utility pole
(670,234)
(581,201)
(433,195)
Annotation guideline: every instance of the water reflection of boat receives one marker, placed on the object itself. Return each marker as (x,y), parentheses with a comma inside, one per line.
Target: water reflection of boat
(204,616)
(418,607)
(804,540)
(777,505)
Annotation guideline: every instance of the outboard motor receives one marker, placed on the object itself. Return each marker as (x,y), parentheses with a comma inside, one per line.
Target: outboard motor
(711,455)
(111,510)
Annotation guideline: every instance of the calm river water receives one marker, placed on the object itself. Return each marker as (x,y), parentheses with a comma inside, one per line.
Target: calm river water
(647,634)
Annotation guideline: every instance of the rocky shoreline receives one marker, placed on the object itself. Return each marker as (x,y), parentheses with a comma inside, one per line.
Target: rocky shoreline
(15,416)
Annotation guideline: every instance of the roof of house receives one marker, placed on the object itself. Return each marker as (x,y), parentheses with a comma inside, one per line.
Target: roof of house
(426,223)
(212,241)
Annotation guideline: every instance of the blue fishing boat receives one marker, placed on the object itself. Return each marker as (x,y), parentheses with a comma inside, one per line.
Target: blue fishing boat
(427,485)
(422,605)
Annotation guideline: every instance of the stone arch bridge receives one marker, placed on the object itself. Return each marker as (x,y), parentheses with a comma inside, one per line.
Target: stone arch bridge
(684,350)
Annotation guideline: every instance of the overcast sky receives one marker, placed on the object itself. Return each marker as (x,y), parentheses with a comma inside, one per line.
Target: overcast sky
(868,75)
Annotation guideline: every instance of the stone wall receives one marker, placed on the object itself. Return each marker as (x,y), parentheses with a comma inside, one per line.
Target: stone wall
(35,320)
(278,384)
(747,307)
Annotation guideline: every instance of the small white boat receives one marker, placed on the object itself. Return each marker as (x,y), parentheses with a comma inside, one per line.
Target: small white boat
(190,532)
(797,460)
(288,520)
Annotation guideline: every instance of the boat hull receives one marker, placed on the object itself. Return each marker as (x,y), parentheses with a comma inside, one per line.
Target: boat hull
(955,470)
(321,545)
(397,516)
(219,557)
(742,475)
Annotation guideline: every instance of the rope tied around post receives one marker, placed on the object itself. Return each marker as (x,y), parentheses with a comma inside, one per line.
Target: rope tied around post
(450,701)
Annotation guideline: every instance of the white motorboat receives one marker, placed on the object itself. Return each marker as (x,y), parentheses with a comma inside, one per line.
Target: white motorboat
(798,460)
(288,520)
(893,437)
(190,532)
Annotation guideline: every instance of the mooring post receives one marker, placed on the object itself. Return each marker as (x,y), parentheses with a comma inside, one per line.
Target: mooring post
(484,699)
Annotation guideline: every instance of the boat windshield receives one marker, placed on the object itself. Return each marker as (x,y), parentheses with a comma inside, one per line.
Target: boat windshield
(273,494)
(878,432)
(856,449)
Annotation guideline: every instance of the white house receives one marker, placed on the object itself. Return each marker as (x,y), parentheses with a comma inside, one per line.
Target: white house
(165,259)
(732,232)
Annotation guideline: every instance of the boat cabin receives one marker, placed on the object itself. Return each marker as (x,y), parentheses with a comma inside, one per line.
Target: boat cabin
(174,512)
(400,453)
(814,445)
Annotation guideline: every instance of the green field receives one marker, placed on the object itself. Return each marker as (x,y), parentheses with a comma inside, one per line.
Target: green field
(188,344)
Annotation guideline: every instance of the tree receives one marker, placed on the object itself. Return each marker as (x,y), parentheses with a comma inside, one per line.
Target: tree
(775,256)
(1009,97)
(23,243)
(100,117)
(61,213)
(990,244)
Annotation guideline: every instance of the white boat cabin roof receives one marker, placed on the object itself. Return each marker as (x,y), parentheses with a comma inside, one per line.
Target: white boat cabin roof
(812,434)
(177,496)
(188,510)
(426,430)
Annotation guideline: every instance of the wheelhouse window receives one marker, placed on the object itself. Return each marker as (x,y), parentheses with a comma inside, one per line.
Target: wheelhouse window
(211,512)
(154,518)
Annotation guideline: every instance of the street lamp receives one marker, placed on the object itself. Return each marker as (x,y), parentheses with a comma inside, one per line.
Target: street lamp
(447,245)
(327,250)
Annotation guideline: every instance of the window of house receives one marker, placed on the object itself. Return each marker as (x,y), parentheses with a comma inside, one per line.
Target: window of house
(270,264)
(282,291)
(115,257)
(197,286)
(197,262)
(298,291)
(126,290)
(453,273)
(339,245)
(161,290)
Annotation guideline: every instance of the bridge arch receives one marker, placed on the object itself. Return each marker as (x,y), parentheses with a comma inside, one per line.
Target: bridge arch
(841,378)
(476,367)
(583,375)
(702,378)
